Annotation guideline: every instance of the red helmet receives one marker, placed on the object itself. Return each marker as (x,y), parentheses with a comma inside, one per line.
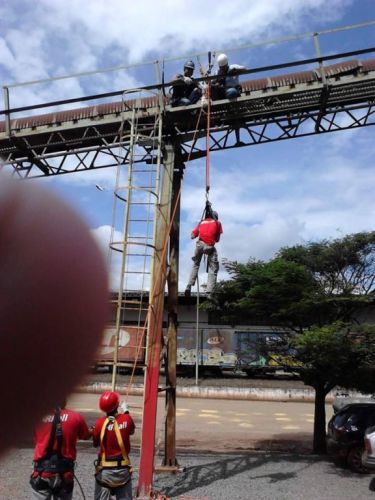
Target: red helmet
(109,401)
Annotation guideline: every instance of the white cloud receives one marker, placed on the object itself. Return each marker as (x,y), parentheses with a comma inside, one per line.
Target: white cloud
(6,56)
(145,27)
(267,196)
(71,35)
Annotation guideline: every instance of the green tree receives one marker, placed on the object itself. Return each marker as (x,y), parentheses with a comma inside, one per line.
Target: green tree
(338,354)
(278,293)
(343,269)
(312,289)
(304,285)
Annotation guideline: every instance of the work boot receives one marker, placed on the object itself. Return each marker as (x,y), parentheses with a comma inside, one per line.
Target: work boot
(188,291)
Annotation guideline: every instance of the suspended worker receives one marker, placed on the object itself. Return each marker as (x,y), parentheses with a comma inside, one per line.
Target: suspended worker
(227,84)
(112,433)
(208,232)
(55,453)
(185,90)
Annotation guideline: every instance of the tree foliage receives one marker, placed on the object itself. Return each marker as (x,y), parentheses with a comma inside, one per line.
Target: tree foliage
(336,354)
(304,285)
(342,266)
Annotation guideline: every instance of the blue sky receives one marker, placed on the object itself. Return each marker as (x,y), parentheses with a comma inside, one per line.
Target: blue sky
(267,196)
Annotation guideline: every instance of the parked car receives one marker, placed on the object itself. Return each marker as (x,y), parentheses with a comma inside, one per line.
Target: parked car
(346,430)
(368,457)
(343,399)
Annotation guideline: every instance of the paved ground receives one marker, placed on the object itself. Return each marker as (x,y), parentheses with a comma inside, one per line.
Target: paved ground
(223,425)
(240,476)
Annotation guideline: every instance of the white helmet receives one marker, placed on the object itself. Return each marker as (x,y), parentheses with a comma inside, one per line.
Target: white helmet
(222,60)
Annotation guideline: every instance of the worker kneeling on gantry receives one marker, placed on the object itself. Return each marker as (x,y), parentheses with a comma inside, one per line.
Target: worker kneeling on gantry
(185,90)
(208,232)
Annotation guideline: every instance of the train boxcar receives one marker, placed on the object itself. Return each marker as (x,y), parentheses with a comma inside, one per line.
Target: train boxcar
(252,350)
(214,346)
(130,338)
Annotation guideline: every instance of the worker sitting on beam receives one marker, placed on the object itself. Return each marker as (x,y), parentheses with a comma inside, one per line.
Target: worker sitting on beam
(185,90)
(227,84)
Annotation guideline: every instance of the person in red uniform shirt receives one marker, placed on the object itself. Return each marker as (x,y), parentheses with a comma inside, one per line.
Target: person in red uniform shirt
(55,453)
(208,232)
(112,433)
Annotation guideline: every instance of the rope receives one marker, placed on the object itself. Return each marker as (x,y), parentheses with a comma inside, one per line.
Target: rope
(208,96)
(80,487)
(197,336)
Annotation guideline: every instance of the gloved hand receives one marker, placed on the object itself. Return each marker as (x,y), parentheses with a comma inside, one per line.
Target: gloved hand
(124,407)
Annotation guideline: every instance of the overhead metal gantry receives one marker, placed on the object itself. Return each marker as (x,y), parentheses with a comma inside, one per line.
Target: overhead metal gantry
(286,106)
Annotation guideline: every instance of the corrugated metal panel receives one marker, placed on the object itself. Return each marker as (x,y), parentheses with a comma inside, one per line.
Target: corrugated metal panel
(77,114)
(252,85)
(368,65)
(341,68)
(292,79)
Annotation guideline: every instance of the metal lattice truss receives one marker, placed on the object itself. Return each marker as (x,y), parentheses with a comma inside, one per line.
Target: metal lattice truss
(257,117)
(75,148)
(287,114)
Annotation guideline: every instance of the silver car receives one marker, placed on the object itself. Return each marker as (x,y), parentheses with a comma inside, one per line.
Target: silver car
(368,456)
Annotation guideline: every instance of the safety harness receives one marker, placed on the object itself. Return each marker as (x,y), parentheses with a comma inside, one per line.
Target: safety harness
(104,463)
(53,461)
(125,462)
(51,471)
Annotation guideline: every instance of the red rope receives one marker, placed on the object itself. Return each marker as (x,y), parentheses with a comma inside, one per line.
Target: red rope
(208,96)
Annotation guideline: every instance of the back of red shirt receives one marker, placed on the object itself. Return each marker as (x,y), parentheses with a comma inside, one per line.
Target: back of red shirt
(208,231)
(112,448)
(73,427)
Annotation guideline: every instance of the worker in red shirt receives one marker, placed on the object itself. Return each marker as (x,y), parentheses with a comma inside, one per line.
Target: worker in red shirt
(112,433)
(55,453)
(208,232)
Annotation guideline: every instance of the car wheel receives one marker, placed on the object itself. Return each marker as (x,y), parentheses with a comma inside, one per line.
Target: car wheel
(355,460)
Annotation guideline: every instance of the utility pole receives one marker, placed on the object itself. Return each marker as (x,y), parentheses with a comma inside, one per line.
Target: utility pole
(154,333)
(171,352)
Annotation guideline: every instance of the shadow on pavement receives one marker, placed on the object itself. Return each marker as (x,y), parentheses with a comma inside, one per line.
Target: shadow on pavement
(207,474)
(287,442)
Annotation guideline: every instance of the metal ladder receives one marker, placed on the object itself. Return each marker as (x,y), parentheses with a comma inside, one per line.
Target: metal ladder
(146,222)
(136,197)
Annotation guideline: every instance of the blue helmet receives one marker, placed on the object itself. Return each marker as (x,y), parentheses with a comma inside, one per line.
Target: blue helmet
(215,215)
(189,64)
